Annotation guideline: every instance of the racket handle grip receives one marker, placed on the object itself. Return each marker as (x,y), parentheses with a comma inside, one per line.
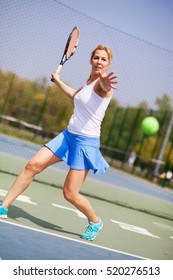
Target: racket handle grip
(57,72)
(58,69)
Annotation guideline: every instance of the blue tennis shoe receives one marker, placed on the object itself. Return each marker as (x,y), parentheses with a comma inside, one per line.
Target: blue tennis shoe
(3,211)
(92,230)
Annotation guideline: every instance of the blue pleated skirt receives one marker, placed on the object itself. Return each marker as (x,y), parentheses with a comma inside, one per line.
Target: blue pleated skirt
(79,152)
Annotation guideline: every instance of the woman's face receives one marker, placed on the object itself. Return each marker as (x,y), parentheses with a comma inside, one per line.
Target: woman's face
(100,62)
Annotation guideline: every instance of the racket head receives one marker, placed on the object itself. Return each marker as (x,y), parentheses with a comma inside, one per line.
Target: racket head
(71,45)
(73,42)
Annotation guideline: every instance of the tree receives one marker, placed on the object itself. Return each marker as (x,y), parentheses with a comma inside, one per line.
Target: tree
(143,105)
(164,103)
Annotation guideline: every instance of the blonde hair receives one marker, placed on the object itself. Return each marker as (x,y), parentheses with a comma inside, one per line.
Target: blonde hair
(103,48)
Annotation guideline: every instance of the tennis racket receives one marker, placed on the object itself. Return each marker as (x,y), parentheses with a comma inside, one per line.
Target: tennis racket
(70,48)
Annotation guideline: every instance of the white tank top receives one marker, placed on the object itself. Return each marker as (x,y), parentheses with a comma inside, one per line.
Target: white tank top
(89,111)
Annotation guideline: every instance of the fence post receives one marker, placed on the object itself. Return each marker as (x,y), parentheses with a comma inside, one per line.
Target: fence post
(165,141)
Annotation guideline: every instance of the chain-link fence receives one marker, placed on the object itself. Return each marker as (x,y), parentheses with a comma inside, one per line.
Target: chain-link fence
(32,41)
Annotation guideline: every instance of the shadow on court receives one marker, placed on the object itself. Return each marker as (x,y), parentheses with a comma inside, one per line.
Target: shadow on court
(17,213)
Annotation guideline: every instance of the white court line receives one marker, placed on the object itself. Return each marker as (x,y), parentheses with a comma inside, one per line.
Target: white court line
(21,197)
(71,239)
(79,213)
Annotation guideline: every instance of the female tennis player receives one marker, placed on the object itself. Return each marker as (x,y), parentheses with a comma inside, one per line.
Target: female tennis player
(79,144)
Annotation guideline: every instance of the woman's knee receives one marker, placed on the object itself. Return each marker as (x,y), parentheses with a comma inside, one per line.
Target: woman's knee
(34,166)
(69,195)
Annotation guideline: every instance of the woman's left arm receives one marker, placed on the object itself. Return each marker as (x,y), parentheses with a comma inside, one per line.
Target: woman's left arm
(105,84)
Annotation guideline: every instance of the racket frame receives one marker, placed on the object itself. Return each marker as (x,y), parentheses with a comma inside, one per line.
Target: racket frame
(64,57)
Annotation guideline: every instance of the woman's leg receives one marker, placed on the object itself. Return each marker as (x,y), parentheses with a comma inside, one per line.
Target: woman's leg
(38,163)
(72,186)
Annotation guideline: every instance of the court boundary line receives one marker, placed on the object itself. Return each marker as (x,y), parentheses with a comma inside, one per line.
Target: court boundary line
(71,239)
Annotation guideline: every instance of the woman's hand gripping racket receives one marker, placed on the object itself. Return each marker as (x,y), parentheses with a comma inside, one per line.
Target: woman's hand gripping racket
(70,48)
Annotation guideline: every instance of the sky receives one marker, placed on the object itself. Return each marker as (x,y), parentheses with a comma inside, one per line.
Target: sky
(33,34)
(150,20)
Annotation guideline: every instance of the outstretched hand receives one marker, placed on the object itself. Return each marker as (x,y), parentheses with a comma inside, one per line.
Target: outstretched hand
(107,82)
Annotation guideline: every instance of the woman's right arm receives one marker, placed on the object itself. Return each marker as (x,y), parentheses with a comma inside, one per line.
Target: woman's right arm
(70,92)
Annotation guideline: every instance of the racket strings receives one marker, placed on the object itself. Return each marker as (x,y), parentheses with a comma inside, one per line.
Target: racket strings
(73,43)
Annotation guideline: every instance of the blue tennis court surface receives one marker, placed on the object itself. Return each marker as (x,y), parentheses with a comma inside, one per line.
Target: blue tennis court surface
(23,243)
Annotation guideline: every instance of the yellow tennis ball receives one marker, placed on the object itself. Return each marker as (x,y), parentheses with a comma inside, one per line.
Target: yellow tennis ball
(150,126)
